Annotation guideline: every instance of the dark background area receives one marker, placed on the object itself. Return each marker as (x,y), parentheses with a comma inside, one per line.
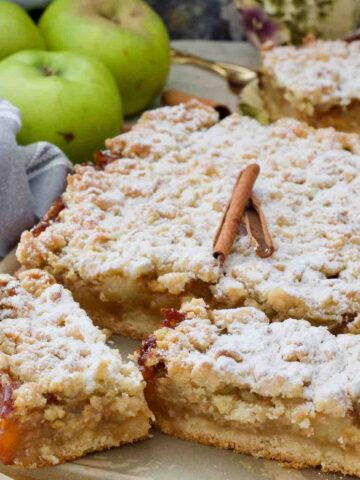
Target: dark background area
(205,19)
(195,18)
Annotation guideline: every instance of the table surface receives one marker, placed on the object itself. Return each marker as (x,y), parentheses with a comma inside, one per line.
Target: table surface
(163,457)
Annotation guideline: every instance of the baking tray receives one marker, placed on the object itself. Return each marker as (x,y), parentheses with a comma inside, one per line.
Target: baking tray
(163,457)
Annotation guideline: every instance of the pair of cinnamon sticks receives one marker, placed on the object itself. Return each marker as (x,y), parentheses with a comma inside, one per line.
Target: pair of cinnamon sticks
(243,205)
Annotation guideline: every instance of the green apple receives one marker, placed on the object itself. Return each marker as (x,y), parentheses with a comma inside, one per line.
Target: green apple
(126,35)
(66,98)
(17,30)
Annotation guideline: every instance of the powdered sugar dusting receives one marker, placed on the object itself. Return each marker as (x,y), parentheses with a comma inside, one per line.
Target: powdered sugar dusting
(239,348)
(49,345)
(153,216)
(319,73)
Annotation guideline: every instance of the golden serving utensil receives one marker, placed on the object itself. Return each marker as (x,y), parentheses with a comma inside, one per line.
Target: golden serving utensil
(236,76)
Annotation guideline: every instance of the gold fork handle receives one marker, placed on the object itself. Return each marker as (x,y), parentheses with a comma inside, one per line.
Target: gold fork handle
(184,58)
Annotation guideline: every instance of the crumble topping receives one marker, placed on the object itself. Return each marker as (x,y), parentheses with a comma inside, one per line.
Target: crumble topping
(160,131)
(49,346)
(317,74)
(240,349)
(152,215)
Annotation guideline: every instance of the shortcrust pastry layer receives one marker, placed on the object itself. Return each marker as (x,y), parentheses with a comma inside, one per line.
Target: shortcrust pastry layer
(63,392)
(317,82)
(136,235)
(290,450)
(230,378)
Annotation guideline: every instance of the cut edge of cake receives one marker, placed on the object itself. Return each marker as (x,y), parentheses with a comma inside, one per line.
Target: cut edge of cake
(286,391)
(64,392)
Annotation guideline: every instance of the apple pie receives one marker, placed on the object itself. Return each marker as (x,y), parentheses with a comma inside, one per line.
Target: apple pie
(63,391)
(136,234)
(285,390)
(317,82)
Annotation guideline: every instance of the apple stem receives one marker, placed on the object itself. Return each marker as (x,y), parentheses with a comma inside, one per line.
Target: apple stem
(47,72)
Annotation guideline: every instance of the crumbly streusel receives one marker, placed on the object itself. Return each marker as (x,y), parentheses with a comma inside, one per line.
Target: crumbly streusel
(240,349)
(151,216)
(318,74)
(63,390)
(50,345)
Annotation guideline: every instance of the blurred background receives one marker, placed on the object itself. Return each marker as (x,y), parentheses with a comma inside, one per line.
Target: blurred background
(256,20)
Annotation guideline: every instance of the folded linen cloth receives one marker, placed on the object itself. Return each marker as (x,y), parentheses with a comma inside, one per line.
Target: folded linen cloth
(31,178)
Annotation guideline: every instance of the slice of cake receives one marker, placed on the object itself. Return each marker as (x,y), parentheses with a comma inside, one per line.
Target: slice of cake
(229,378)
(137,234)
(63,391)
(317,82)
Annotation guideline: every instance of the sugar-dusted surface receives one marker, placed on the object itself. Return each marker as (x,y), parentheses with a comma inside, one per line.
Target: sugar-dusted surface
(153,214)
(50,347)
(183,459)
(316,74)
(216,350)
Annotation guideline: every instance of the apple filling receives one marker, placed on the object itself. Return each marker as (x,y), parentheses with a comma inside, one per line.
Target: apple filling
(130,308)
(245,411)
(10,432)
(133,308)
(345,119)
(37,442)
(270,440)
(10,436)
(64,431)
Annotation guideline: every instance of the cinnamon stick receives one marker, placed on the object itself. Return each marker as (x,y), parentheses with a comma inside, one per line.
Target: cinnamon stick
(174,97)
(353,37)
(229,226)
(49,217)
(104,157)
(257,228)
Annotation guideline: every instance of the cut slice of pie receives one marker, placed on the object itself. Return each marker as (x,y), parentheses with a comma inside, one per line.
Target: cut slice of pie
(286,390)
(317,82)
(63,391)
(137,234)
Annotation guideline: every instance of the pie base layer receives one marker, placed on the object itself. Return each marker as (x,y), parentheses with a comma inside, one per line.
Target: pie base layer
(295,452)
(43,447)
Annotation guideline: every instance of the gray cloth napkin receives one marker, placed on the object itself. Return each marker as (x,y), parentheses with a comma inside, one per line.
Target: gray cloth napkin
(31,178)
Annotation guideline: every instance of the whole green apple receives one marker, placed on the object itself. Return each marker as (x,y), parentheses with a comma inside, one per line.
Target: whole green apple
(126,35)
(66,98)
(17,31)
